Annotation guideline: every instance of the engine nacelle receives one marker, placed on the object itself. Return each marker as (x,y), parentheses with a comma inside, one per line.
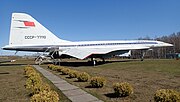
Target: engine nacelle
(58,54)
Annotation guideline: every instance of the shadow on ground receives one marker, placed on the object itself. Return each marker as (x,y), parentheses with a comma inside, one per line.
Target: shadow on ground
(12,64)
(111,95)
(89,63)
(71,64)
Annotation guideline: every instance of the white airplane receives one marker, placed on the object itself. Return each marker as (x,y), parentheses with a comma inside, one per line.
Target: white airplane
(27,34)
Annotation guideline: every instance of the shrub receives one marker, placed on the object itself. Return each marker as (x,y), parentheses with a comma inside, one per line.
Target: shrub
(45,96)
(29,70)
(29,73)
(97,82)
(65,71)
(123,89)
(33,73)
(33,80)
(59,68)
(41,92)
(166,95)
(50,66)
(73,74)
(53,67)
(83,77)
(40,87)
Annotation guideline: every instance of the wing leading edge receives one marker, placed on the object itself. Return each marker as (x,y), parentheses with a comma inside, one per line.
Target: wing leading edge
(82,53)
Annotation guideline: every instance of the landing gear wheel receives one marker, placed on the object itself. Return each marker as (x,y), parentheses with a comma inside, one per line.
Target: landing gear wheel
(142,55)
(94,62)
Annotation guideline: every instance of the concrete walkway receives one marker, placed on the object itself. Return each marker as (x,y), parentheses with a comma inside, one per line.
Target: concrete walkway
(74,93)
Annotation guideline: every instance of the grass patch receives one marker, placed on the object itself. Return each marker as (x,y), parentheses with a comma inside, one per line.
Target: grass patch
(145,76)
(12,84)
(12,81)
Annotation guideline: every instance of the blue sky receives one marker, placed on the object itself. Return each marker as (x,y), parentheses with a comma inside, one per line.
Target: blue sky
(77,20)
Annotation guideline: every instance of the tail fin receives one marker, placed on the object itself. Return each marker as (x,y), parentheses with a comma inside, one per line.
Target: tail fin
(26,30)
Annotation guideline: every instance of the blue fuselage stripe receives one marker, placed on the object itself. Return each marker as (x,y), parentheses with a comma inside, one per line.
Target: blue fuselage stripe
(102,44)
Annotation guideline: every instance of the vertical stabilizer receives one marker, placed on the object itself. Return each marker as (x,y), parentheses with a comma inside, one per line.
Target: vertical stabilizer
(25,30)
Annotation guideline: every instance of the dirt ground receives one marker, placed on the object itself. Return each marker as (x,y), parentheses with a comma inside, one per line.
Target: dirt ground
(146,77)
(12,83)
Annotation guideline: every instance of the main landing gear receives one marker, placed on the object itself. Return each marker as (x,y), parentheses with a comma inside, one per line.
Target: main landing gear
(143,52)
(44,58)
(95,62)
(142,55)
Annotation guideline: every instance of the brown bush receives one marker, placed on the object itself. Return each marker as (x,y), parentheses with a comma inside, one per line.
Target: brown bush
(73,74)
(97,82)
(166,95)
(65,71)
(123,89)
(83,77)
(45,96)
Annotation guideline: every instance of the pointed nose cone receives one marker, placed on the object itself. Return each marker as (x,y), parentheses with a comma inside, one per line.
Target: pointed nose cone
(167,44)
(163,44)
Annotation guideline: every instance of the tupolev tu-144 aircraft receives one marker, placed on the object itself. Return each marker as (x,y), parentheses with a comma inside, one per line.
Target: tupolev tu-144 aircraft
(27,34)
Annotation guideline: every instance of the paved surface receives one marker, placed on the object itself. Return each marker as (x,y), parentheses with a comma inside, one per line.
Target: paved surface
(74,93)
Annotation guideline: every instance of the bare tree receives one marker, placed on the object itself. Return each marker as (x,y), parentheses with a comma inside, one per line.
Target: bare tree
(161,52)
